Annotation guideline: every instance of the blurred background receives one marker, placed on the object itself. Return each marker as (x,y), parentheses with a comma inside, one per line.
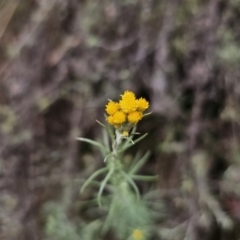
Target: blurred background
(60,61)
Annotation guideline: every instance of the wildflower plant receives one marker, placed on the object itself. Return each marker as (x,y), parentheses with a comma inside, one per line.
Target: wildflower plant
(127,215)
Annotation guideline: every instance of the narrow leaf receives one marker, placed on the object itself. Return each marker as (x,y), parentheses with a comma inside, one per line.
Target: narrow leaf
(103,184)
(140,138)
(146,114)
(110,217)
(135,160)
(106,140)
(94,175)
(94,143)
(135,141)
(107,129)
(132,183)
(108,156)
(128,143)
(144,178)
(139,164)
(101,124)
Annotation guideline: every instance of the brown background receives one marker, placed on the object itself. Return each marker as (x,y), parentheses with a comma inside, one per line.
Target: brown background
(60,61)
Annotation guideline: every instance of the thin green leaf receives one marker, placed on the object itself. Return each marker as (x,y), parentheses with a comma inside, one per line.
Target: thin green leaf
(132,183)
(143,178)
(135,159)
(94,175)
(109,155)
(93,183)
(104,126)
(129,139)
(140,138)
(106,140)
(146,114)
(103,184)
(139,164)
(94,143)
(134,129)
(135,141)
(107,128)
(136,133)
(128,143)
(94,200)
(110,216)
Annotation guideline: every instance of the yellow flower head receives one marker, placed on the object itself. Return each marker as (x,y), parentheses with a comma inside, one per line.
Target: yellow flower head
(119,118)
(125,113)
(128,94)
(142,104)
(112,107)
(137,234)
(128,102)
(110,120)
(134,117)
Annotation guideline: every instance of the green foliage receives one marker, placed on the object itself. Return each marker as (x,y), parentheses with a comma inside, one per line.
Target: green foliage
(121,209)
(126,213)
(58,226)
(126,210)
(91,231)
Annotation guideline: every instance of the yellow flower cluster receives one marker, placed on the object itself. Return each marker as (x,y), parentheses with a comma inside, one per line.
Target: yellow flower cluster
(137,234)
(128,110)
